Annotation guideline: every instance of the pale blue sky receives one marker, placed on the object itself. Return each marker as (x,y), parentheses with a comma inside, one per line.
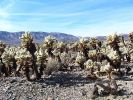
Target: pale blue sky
(76,17)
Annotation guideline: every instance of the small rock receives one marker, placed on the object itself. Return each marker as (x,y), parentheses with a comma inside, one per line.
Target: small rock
(83,92)
(127,96)
(50,98)
(12,81)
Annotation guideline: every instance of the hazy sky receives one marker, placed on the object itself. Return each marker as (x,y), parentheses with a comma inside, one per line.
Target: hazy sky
(77,17)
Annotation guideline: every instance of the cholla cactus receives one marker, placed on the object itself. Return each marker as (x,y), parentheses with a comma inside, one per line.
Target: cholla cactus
(9,60)
(26,37)
(26,42)
(108,69)
(41,56)
(131,36)
(113,55)
(131,33)
(83,46)
(23,54)
(81,40)
(2,47)
(61,45)
(93,41)
(65,58)
(112,38)
(8,54)
(2,44)
(49,41)
(24,61)
(92,53)
(124,50)
(105,68)
(49,44)
(73,46)
(80,58)
(89,64)
(56,52)
(6,57)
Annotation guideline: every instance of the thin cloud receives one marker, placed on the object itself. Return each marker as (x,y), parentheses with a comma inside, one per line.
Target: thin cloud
(5,25)
(5,6)
(44,14)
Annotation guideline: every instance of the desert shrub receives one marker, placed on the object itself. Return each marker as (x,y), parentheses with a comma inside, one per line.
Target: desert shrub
(52,65)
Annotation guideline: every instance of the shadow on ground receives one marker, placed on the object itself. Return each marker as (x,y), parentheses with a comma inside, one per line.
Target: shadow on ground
(65,79)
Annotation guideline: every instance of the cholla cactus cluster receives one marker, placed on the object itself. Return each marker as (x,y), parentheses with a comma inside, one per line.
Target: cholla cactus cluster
(52,54)
(22,53)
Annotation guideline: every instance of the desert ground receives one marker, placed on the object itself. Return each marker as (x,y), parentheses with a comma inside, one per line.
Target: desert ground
(63,86)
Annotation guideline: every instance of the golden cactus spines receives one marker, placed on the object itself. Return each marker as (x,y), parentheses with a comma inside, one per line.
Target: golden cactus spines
(26,37)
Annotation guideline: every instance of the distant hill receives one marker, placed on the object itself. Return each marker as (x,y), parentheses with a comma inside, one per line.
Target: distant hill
(13,37)
(104,37)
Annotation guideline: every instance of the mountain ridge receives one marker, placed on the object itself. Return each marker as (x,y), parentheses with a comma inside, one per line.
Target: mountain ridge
(13,37)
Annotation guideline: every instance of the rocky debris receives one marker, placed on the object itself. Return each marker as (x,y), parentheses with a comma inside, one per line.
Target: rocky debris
(59,86)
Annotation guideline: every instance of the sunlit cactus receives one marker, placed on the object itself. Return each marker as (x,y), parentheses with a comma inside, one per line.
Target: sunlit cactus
(23,54)
(49,44)
(62,47)
(49,41)
(131,37)
(112,38)
(2,47)
(90,64)
(83,46)
(92,53)
(26,37)
(93,42)
(56,52)
(27,42)
(113,55)
(40,55)
(80,59)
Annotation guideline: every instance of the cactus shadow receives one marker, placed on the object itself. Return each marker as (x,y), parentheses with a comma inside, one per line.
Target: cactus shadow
(66,79)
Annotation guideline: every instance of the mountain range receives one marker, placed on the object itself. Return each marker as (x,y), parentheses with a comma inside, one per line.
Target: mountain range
(13,37)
